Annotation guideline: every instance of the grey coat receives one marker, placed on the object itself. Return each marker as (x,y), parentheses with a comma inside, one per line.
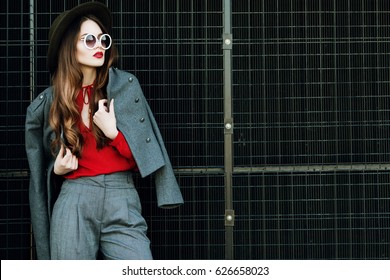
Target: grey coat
(134,119)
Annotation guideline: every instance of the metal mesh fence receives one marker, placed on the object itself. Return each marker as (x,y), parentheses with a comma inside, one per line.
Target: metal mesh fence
(311,129)
(311,122)
(320,215)
(14,99)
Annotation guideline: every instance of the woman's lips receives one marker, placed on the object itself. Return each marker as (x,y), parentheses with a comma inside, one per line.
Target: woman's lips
(98,55)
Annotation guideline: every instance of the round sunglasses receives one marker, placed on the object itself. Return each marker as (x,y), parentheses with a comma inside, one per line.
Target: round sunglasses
(90,41)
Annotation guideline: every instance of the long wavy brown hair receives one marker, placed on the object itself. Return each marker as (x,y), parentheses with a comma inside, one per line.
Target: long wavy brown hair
(67,82)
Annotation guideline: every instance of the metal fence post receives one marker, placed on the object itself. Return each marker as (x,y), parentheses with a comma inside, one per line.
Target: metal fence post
(228,128)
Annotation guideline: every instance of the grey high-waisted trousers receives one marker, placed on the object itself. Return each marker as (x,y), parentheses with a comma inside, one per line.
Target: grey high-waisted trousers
(99,213)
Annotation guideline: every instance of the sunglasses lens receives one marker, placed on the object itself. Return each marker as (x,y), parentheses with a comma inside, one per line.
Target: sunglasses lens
(90,41)
(105,41)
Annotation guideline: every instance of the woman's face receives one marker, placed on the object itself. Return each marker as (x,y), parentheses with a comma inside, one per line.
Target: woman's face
(89,58)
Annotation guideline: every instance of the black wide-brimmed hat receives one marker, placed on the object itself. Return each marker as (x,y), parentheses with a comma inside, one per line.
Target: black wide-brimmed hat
(64,20)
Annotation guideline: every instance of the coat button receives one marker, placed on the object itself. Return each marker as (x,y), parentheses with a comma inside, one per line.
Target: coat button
(142,119)
(136,100)
(131,79)
(148,140)
(41,96)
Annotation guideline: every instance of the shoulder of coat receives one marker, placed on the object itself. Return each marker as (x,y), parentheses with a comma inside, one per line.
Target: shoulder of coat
(122,75)
(41,99)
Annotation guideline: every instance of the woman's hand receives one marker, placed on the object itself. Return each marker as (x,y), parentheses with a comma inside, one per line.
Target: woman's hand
(105,119)
(65,163)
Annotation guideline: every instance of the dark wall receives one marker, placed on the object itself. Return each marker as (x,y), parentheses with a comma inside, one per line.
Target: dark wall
(311,122)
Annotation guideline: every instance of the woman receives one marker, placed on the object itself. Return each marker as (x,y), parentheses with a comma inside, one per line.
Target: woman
(92,128)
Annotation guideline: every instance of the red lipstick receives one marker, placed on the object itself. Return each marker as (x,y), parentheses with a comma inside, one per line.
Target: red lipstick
(98,55)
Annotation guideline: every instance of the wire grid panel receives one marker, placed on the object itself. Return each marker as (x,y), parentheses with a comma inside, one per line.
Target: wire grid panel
(329,215)
(174,49)
(311,80)
(15,77)
(196,229)
(15,83)
(310,94)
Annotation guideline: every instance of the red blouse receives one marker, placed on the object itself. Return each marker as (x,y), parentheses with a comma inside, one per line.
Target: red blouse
(114,157)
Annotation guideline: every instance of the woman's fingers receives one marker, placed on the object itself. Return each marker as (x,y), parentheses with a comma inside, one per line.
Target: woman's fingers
(112,107)
(70,161)
(61,152)
(65,163)
(105,119)
(102,105)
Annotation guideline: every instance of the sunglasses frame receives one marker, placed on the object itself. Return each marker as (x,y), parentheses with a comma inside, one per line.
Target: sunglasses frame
(96,41)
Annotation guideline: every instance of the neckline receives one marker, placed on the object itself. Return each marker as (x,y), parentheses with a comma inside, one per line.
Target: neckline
(87,86)
(87,93)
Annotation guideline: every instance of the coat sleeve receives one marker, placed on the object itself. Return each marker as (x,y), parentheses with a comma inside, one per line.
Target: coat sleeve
(167,189)
(38,185)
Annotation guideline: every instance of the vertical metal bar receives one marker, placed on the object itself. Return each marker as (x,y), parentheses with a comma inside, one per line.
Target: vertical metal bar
(228,128)
(32,50)
(32,82)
